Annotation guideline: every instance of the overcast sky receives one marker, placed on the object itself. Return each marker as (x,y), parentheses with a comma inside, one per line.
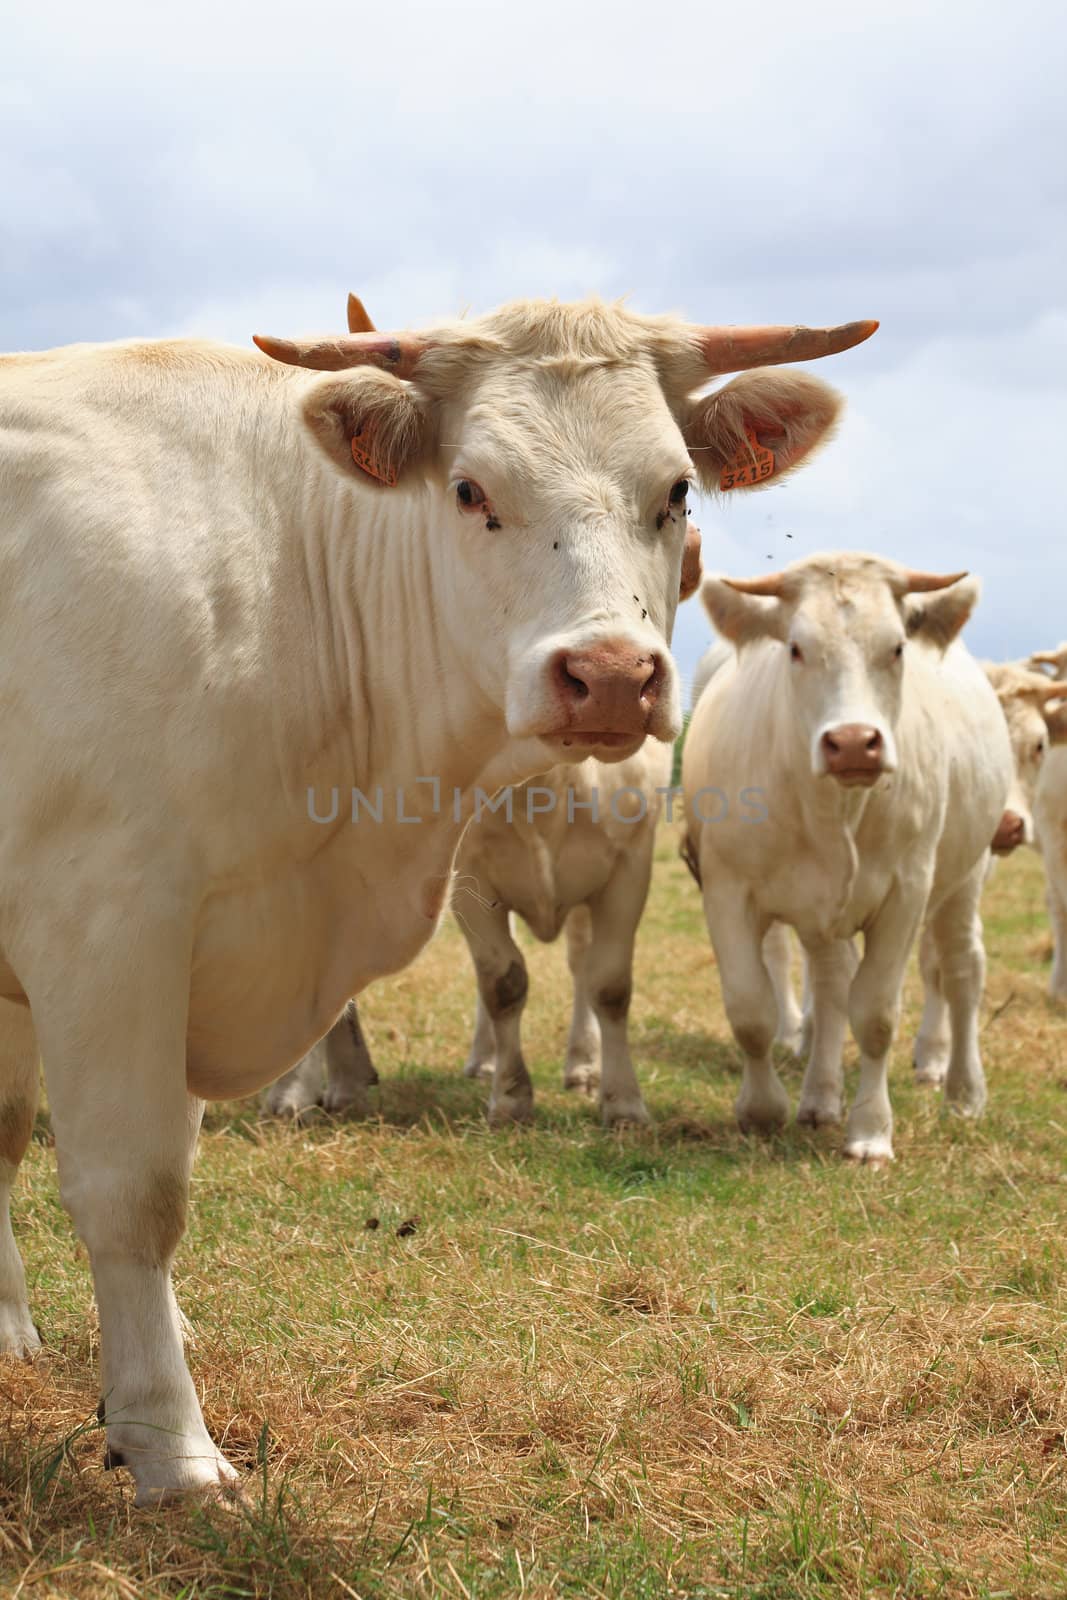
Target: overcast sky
(228,168)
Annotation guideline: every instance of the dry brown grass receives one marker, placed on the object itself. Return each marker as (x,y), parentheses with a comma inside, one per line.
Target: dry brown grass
(674,1362)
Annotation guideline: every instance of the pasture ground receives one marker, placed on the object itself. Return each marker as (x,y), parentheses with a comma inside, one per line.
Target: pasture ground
(678,1362)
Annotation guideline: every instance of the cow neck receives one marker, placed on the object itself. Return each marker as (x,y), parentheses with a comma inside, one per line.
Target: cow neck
(832,817)
(396,704)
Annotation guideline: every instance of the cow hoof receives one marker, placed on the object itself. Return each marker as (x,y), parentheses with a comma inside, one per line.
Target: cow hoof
(18,1334)
(762,1116)
(793,1041)
(296,1112)
(510,1109)
(876,1151)
(480,1069)
(582,1078)
(965,1102)
(818,1113)
(185,1482)
(221,1492)
(931,1064)
(625,1113)
(350,1107)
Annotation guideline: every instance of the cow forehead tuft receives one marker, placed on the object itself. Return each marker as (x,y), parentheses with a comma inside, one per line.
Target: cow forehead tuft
(552,332)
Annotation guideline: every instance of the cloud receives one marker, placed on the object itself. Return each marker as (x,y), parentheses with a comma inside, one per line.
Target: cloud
(238,167)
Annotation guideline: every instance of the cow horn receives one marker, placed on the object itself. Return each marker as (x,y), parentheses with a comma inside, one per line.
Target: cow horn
(773,585)
(1048,658)
(736,349)
(1048,689)
(913,582)
(398,355)
(358,320)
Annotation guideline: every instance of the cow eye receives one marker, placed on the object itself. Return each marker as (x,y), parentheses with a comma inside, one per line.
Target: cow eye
(898,650)
(1040,747)
(471,495)
(680,492)
(795,653)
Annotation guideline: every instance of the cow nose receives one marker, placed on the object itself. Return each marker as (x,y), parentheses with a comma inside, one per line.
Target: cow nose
(608,688)
(1011,831)
(854,751)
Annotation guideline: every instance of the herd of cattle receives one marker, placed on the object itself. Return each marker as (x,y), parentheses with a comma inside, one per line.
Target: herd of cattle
(948,766)
(433,568)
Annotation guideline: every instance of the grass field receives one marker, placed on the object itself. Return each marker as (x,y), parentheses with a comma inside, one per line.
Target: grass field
(676,1362)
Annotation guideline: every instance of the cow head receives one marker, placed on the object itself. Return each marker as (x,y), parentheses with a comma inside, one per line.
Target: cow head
(844,622)
(1034,722)
(558,445)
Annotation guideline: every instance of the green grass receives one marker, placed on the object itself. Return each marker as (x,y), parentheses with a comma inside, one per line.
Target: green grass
(677,1362)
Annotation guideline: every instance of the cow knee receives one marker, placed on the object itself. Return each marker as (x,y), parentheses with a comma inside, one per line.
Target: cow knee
(141,1217)
(755,1038)
(504,992)
(613,1000)
(874,1031)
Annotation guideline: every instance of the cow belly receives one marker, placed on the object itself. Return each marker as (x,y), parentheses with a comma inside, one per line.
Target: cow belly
(273,970)
(542,885)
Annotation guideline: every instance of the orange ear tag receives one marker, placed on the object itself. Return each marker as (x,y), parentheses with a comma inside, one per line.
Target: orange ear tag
(366,456)
(751,463)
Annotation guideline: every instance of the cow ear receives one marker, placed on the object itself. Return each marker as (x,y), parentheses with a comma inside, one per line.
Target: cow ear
(372,426)
(743,617)
(692,570)
(938,617)
(1055,717)
(759,428)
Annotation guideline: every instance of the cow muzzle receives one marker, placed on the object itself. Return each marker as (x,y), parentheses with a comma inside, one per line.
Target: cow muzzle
(606,695)
(1010,834)
(854,754)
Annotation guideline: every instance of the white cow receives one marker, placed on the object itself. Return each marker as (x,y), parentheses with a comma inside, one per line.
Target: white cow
(883,762)
(560,864)
(1024,698)
(238,592)
(792,1032)
(1032,725)
(1050,816)
(571,849)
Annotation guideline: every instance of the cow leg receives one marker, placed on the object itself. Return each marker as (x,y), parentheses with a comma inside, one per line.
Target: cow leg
(933,1040)
(581,1069)
(609,960)
(19,1077)
(957,930)
(1057,912)
(807,1003)
(502,986)
(126,1128)
(298,1092)
(343,1060)
(873,1008)
(481,1059)
(737,936)
(778,959)
(830,969)
(349,1069)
